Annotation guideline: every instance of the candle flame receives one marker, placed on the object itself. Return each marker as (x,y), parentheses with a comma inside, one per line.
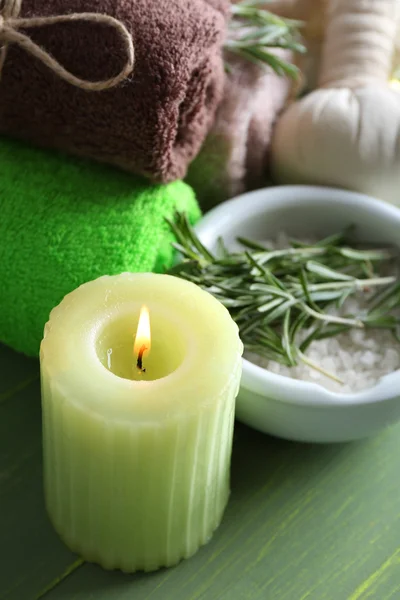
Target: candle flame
(143,335)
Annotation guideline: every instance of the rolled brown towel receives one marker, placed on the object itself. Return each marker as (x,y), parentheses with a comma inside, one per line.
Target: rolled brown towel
(155,121)
(234,157)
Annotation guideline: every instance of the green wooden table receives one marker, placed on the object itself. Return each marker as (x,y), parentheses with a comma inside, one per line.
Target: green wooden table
(304,521)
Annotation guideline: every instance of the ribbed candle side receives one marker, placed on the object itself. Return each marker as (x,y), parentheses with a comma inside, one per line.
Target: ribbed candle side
(131,495)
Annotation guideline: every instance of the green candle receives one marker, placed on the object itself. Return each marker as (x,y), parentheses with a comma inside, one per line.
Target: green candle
(138,418)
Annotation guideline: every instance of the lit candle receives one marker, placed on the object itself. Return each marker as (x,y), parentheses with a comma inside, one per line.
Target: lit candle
(143,339)
(138,418)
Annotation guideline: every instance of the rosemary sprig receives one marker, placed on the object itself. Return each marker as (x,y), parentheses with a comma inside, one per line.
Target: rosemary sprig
(281,300)
(253,30)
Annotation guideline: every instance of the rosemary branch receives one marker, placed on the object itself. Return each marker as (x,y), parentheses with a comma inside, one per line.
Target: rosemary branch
(253,31)
(281,300)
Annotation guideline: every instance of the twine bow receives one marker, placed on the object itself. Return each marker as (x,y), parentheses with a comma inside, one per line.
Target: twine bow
(10,22)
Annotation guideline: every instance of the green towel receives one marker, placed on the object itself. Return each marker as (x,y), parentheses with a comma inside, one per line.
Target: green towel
(64,222)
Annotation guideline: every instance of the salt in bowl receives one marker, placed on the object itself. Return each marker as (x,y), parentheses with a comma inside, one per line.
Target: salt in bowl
(275,404)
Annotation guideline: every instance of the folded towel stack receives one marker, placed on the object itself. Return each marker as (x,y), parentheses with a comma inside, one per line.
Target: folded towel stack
(155,121)
(66,221)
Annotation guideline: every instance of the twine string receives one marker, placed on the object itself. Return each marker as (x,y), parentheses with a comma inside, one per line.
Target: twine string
(10,23)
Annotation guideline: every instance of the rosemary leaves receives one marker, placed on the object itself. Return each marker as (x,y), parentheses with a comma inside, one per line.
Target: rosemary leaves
(275,295)
(253,31)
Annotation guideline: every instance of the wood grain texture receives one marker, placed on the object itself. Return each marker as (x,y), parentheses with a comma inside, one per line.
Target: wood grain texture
(304,522)
(31,554)
(16,371)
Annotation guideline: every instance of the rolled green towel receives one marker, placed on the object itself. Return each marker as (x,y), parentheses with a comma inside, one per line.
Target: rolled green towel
(64,222)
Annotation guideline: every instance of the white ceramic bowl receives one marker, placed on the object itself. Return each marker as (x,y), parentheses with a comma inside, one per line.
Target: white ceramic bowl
(275,404)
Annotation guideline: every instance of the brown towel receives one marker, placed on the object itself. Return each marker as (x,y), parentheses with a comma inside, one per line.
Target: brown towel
(234,157)
(155,121)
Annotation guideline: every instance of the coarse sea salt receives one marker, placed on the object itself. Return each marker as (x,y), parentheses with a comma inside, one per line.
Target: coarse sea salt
(358,357)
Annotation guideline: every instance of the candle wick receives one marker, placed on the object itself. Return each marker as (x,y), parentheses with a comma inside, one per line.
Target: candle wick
(109,352)
(139,363)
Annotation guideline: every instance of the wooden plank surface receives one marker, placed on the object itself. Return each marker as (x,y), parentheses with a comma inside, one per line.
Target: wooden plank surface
(16,371)
(31,554)
(304,522)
